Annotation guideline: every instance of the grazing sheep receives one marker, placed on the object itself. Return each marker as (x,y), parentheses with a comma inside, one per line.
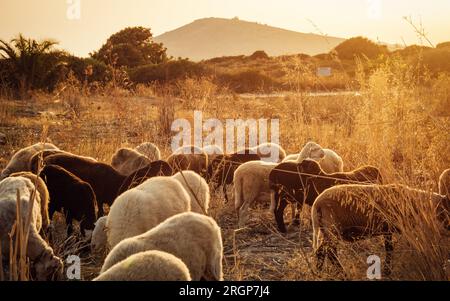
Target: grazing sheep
(354,212)
(145,206)
(38,159)
(212,150)
(251,182)
(126,161)
(270,152)
(192,237)
(189,158)
(147,266)
(70,193)
(106,182)
(221,169)
(156,168)
(99,238)
(303,182)
(291,158)
(150,150)
(197,188)
(45,263)
(43,193)
(311,150)
(328,159)
(20,161)
(444,183)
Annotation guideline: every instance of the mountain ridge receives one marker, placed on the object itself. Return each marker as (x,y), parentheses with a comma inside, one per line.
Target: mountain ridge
(215,37)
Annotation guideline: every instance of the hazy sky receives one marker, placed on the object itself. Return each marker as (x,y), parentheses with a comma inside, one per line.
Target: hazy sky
(376,19)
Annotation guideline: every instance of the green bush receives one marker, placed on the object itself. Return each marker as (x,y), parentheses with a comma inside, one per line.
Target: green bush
(167,72)
(248,81)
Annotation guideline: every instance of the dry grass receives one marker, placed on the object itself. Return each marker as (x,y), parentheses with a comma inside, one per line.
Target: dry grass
(394,123)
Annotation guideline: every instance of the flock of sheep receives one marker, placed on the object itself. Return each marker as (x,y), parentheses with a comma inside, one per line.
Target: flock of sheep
(158,227)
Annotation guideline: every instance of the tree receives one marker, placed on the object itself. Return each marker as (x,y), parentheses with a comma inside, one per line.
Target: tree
(359,47)
(27,61)
(131,47)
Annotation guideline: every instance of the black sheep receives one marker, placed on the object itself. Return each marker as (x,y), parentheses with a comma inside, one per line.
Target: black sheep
(106,182)
(70,193)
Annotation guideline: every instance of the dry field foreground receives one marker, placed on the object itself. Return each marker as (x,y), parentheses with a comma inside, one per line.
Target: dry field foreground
(402,130)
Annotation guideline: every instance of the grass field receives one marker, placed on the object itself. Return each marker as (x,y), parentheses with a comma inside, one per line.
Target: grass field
(394,123)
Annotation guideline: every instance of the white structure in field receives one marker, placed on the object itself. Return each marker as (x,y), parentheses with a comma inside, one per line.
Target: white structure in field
(324,71)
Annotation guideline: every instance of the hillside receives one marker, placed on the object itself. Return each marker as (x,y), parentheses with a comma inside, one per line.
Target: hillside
(216,37)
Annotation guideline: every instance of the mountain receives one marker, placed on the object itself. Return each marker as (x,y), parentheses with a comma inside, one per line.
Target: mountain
(216,37)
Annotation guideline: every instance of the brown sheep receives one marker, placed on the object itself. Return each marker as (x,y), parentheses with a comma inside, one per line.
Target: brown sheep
(221,169)
(126,161)
(303,182)
(355,212)
(189,158)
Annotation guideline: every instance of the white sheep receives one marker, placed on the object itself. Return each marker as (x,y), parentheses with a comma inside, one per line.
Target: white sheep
(150,150)
(44,196)
(145,206)
(251,183)
(197,188)
(20,161)
(99,238)
(46,264)
(126,161)
(270,152)
(291,158)
(194,238)
(147,266)
(329,161)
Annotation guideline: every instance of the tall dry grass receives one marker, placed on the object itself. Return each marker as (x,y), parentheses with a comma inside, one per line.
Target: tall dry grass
(399,121)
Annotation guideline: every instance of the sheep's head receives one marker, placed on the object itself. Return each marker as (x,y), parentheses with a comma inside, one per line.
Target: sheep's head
(315,151)
(310,167)
(99,236)
(48,267)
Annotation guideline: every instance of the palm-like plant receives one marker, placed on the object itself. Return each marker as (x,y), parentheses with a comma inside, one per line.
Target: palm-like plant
(26,59)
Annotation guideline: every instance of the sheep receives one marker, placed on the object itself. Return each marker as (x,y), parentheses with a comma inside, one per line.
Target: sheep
(194,238)
(291,158)
(270,152)
(197,188)
(251,182)
(221,169)
(106,182)
(212,150)
(145,206)
(38,159)
(303,182)
(354,212)
(150,150)
(189,158)
(45,263)
(444,183)
(147,266)
(71,193)
(20,161)
(126,161)
(99,238)
(328,159)
(43,193)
